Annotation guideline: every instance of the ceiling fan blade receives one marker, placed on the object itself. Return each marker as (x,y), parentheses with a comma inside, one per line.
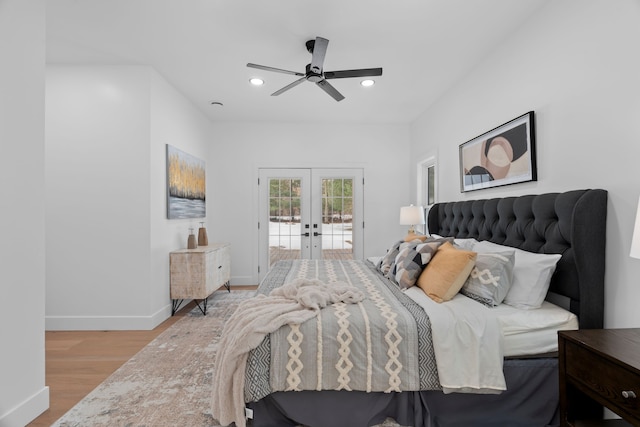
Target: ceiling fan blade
(277,70)
(326,86)
(289,86)
(319,52)
(343,74)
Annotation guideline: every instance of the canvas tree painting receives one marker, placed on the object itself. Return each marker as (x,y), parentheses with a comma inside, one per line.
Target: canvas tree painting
(186,185)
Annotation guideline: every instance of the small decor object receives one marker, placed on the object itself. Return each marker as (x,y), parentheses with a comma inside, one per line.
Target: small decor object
(191,241)
(186,189)
(203,240)
(504,155)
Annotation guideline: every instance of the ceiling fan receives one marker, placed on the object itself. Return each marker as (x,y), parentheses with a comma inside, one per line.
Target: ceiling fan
(314,72)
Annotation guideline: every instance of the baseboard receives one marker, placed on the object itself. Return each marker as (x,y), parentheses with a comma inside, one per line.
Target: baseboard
(26,411)
(160,316)
(107,323)
(242,281)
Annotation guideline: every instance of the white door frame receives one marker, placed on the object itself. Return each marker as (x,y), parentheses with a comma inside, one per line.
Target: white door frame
(422,181)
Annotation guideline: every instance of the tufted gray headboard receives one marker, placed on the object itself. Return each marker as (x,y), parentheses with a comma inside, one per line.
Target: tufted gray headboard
(572,224)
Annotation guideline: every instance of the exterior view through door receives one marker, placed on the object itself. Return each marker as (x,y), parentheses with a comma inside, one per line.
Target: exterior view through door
(310,214)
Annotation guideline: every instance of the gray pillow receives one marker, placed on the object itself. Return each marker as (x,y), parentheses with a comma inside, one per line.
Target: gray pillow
(490,278)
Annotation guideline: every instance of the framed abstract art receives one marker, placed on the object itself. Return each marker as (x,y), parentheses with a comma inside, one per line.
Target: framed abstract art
(504,155)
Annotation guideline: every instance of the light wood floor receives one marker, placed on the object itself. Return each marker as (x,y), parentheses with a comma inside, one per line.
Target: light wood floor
(78,361)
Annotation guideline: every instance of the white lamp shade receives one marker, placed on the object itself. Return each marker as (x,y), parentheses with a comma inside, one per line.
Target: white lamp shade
(635,241)
(411,215)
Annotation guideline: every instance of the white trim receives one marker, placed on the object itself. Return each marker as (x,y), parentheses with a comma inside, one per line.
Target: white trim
(27,410)
(426,162)
(242,281)
(107,323)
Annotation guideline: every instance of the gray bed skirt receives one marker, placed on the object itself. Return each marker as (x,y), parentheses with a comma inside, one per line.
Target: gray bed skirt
(531,400)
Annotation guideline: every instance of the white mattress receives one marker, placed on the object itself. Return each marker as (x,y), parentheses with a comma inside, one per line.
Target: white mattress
(526,332)
(529,332)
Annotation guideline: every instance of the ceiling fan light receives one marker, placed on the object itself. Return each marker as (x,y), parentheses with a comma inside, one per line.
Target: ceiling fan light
(256,81)
(368,82)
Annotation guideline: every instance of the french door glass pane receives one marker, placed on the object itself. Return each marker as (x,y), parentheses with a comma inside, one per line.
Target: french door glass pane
(337,215)
(284,219)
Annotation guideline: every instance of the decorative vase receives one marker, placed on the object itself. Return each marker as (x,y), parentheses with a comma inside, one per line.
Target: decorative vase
(191,241)
(203,240)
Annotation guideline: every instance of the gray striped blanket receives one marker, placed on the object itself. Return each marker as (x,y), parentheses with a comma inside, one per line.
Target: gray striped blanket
(382,344)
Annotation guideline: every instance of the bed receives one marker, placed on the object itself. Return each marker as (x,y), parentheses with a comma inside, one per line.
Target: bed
(570,224)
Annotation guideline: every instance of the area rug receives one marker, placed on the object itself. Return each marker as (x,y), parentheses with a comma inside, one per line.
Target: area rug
(167,383)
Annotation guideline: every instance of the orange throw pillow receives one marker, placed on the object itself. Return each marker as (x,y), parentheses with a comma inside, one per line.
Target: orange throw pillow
(445,274)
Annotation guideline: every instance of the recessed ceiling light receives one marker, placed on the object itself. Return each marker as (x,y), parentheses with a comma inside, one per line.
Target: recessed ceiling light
(367,83)
(256,81)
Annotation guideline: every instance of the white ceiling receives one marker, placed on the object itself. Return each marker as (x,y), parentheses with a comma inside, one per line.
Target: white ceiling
(202,48)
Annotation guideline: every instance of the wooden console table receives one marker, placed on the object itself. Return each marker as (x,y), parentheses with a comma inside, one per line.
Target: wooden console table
(599,367)
(196,273)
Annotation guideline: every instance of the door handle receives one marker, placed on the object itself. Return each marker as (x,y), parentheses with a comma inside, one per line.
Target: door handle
(305,234)
(315,233)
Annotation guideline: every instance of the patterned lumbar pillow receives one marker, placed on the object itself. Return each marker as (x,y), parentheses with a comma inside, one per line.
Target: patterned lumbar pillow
(390,257)
(491,278)
(446,272)
(411,260)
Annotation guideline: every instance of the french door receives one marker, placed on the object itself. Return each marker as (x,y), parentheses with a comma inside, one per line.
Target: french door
(309,214)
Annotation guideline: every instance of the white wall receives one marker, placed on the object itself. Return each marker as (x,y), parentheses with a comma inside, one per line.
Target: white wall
(23,394)
(97,192)
(174,121)
(107,232)
(574,65)
(108,238)
(239,149)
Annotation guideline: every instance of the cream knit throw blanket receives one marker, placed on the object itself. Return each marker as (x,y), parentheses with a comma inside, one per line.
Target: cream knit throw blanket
(292,303)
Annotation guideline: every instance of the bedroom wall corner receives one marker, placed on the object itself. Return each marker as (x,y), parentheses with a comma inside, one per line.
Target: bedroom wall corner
(108,236)
(242,148)
(97,197)
(23,392)
(177,122)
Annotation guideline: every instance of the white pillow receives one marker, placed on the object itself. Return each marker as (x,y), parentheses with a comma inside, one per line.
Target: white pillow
(531,275)
(462,243)
(466,244)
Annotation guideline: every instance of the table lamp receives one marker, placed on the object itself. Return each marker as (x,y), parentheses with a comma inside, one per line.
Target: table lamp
(411,216)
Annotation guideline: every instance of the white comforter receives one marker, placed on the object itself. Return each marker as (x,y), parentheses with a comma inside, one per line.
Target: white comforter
(467,341)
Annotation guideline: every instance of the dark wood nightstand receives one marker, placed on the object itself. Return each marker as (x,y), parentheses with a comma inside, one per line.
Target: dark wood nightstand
(599,367)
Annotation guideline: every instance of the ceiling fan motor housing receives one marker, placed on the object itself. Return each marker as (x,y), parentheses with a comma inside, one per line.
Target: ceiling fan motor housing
(313,76)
